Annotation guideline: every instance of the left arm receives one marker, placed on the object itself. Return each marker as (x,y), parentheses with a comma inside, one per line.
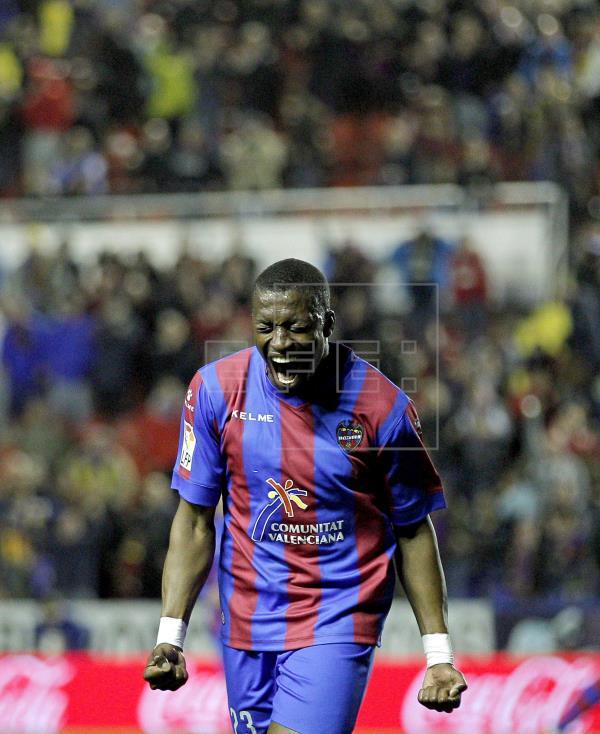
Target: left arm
(420,572)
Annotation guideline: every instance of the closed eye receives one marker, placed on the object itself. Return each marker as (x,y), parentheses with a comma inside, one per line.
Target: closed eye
(264,328)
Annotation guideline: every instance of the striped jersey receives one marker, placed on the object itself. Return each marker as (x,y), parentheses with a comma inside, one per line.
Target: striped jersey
(311,492)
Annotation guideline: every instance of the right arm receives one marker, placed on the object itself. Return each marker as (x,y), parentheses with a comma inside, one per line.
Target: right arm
(187,565)
(189,559)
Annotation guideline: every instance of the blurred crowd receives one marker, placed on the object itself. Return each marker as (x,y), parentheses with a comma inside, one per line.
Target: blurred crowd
(95,363)
(184,95)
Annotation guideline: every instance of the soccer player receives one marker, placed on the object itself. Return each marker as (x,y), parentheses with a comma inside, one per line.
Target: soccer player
(324,478)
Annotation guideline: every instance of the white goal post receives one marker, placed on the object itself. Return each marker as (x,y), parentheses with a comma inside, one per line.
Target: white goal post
(520,229)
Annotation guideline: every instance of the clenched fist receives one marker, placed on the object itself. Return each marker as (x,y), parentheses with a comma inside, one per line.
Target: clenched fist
(442,688)
(165,668)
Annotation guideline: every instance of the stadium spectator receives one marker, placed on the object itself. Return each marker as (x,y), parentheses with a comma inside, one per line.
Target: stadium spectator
(423,264)
(57,632)
(469,288)
(177,96)
(21,358)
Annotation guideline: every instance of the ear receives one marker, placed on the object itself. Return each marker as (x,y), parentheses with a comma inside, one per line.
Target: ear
(328,323)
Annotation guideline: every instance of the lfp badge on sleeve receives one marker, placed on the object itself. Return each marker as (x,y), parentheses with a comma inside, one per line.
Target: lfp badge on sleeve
(349,435)
(189,444)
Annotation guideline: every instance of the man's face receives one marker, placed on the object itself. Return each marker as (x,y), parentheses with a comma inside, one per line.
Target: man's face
(291,336)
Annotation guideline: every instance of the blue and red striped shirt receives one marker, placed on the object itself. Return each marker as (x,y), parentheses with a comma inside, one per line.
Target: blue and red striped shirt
(311,492)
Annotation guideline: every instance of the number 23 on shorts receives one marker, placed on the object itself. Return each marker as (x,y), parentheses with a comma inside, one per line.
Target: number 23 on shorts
(246,717)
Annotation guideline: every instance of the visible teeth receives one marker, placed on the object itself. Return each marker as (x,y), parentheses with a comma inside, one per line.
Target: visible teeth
(286,380)
(281,360)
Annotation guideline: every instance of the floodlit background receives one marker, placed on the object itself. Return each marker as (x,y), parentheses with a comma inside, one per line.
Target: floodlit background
(440,161)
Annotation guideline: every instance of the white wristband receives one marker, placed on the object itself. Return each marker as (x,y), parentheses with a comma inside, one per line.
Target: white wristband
(171,630)
(438,649)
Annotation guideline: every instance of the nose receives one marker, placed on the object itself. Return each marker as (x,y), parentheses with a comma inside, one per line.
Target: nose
(280,340)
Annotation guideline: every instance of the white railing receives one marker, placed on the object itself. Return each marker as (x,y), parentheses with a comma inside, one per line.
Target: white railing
(520,229)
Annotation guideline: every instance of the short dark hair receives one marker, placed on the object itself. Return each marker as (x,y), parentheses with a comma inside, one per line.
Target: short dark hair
(298,275)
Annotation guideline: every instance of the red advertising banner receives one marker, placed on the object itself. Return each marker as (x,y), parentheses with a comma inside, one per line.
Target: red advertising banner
(82,694)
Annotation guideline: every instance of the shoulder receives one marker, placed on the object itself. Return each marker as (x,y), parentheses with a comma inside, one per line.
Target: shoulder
(226,372)
(216,385)
(242,356)
(229,372)
(368,379)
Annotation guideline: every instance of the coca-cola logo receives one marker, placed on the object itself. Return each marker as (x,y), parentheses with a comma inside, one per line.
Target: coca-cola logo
(526,700)
(199,707)
(31,699)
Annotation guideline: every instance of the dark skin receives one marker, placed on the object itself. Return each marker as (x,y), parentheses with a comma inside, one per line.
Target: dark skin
(188,562)
(420,572)
(289,326)
(292,335)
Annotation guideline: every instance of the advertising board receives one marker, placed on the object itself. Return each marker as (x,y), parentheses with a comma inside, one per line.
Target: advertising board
(85,694)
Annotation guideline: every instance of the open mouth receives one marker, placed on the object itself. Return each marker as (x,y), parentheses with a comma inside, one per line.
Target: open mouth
(286,373)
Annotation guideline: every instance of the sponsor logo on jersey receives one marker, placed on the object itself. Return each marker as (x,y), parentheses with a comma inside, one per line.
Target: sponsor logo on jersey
(318,533)
(349,435)
(280,496)
(293,533)
(243,415)
(188,400)
(189,444)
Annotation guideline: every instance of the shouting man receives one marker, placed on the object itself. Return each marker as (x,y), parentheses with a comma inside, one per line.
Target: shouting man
(320,464)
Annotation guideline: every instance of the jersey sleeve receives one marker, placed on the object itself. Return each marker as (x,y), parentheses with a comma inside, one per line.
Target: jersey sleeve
(413,485)
(200,467)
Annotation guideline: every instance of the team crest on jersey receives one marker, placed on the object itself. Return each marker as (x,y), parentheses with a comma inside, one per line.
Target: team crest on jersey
(349,435)
(281,495)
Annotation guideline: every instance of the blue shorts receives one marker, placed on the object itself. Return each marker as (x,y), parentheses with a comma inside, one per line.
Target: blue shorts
(310,691)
